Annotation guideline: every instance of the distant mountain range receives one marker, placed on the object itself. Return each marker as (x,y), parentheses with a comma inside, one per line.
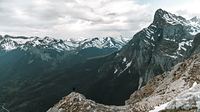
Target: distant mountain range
(8,43)
(54,52)
(91,66)
(28,61)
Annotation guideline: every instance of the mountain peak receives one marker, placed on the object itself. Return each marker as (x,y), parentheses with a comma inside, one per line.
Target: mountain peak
(159,14)
(195,19)
(161,17)
(160,11)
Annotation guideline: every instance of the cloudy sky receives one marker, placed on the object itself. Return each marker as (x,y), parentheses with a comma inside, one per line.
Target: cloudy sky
(85,18)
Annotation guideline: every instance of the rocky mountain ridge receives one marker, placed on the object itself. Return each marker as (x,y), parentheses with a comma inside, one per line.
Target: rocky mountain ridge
(175,90)
(151,52)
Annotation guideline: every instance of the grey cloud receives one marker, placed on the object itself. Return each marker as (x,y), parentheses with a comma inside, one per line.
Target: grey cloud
(45,17)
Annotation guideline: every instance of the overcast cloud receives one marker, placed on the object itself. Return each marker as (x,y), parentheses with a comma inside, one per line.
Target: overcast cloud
(84,18)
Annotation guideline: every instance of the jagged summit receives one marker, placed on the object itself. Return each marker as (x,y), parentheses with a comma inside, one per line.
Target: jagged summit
(164,18)
(195,19)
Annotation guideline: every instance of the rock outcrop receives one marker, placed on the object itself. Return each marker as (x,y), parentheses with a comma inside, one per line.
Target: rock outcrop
(76,102)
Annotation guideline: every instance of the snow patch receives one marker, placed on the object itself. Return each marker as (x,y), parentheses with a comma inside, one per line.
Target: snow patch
(127,66)
(8,46)
(115,71)
(172,56)
(140,82)
(159,108)
(170,39)
(124,60)
(186,100)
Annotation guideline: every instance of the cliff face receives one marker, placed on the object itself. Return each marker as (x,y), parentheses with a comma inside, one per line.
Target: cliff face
(167,86)
(178,85)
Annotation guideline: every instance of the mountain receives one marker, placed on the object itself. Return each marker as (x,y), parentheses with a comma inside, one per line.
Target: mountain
(28,63)
(178,88)
(8,43)
(152,51)
(173,91)
(56,51)
(109,79)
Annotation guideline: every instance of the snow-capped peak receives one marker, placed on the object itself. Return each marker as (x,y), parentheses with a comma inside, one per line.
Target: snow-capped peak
(168,17)
(8,43)
(103,42)
(191,25)
(18,40)
(195,19)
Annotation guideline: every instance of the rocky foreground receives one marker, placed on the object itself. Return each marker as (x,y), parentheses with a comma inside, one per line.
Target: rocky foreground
(76,102)
(175,90)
